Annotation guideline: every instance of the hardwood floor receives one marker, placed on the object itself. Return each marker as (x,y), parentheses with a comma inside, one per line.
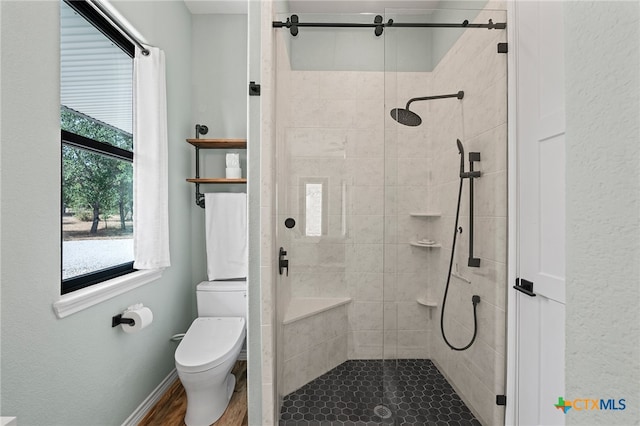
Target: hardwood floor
(170,409)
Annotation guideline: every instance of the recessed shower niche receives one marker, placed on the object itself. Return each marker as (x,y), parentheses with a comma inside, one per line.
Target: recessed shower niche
(375,204)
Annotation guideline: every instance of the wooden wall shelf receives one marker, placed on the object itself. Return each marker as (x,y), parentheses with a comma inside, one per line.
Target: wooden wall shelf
(213,144)
(219,143)
(216,180)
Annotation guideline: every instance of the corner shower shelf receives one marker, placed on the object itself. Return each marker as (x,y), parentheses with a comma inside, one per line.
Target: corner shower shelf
(419,244)
(426,302)
(430,304)
(213,144)
(425,214)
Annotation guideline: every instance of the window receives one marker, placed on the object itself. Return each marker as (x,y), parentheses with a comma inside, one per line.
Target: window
(96,82)
(314,205)
(313,209)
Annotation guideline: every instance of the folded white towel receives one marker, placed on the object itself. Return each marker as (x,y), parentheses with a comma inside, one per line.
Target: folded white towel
(226,235)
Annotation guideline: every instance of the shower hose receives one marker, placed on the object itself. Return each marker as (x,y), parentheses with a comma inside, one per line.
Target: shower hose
(475,299)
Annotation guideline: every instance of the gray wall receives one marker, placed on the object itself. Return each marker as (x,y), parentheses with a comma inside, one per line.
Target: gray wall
(219,64)
(219,100)
(603,207)
(78,370)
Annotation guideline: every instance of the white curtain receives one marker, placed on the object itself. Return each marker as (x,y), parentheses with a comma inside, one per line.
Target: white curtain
(150,168)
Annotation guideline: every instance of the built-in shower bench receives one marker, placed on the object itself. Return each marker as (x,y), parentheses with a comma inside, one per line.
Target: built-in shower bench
(304,307)
(315,339)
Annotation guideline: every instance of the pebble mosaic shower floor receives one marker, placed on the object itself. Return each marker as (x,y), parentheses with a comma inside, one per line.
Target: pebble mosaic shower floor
(410,391)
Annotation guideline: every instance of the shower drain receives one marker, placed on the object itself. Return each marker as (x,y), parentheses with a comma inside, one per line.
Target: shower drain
(382,411)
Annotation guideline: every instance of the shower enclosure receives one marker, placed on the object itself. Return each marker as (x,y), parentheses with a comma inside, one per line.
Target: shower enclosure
(366,208)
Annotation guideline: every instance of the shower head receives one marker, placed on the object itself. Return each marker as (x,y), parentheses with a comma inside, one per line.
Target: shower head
(406,117)
(410,118)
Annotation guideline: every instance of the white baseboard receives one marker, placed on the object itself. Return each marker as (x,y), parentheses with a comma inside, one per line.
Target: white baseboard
(243,355)
(151,400)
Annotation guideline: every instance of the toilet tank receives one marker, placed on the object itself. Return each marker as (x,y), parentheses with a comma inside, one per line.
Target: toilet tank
(222,299)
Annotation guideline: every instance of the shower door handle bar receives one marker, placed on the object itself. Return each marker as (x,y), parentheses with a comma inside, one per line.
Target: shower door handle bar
(524,286)
(473,262)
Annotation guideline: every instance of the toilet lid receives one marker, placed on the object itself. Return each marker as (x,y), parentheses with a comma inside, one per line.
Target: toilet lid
(208,342)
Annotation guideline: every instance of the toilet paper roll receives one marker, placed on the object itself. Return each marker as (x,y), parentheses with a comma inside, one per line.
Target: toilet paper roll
(142,317)
(234,173)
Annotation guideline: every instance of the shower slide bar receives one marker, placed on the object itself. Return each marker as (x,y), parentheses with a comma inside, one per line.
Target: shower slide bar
(293,23)
(473,262)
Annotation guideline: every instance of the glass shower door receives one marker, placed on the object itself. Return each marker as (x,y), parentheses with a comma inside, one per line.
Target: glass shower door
(330,166)
(374,205)
(426,69)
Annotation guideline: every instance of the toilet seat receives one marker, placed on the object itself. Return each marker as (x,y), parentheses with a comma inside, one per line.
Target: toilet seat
(208,343)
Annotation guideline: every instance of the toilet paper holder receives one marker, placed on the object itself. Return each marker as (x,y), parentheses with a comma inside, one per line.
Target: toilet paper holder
(117,320)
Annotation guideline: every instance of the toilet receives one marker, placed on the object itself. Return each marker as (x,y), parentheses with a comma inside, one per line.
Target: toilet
(207,353)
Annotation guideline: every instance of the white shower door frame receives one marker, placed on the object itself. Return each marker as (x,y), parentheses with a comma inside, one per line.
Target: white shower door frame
(535,361)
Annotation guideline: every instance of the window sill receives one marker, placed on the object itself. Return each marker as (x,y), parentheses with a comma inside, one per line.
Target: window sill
(82,299)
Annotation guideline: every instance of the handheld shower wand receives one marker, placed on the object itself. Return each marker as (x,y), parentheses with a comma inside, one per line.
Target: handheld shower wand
(473,157)
(473,262)
(461,152)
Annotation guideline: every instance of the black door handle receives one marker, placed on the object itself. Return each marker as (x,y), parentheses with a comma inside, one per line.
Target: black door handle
(282,262)
(525,287)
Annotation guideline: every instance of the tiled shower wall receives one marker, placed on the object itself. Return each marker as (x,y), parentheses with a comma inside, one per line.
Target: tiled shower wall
(332,130)
(480,122)
(408,179)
